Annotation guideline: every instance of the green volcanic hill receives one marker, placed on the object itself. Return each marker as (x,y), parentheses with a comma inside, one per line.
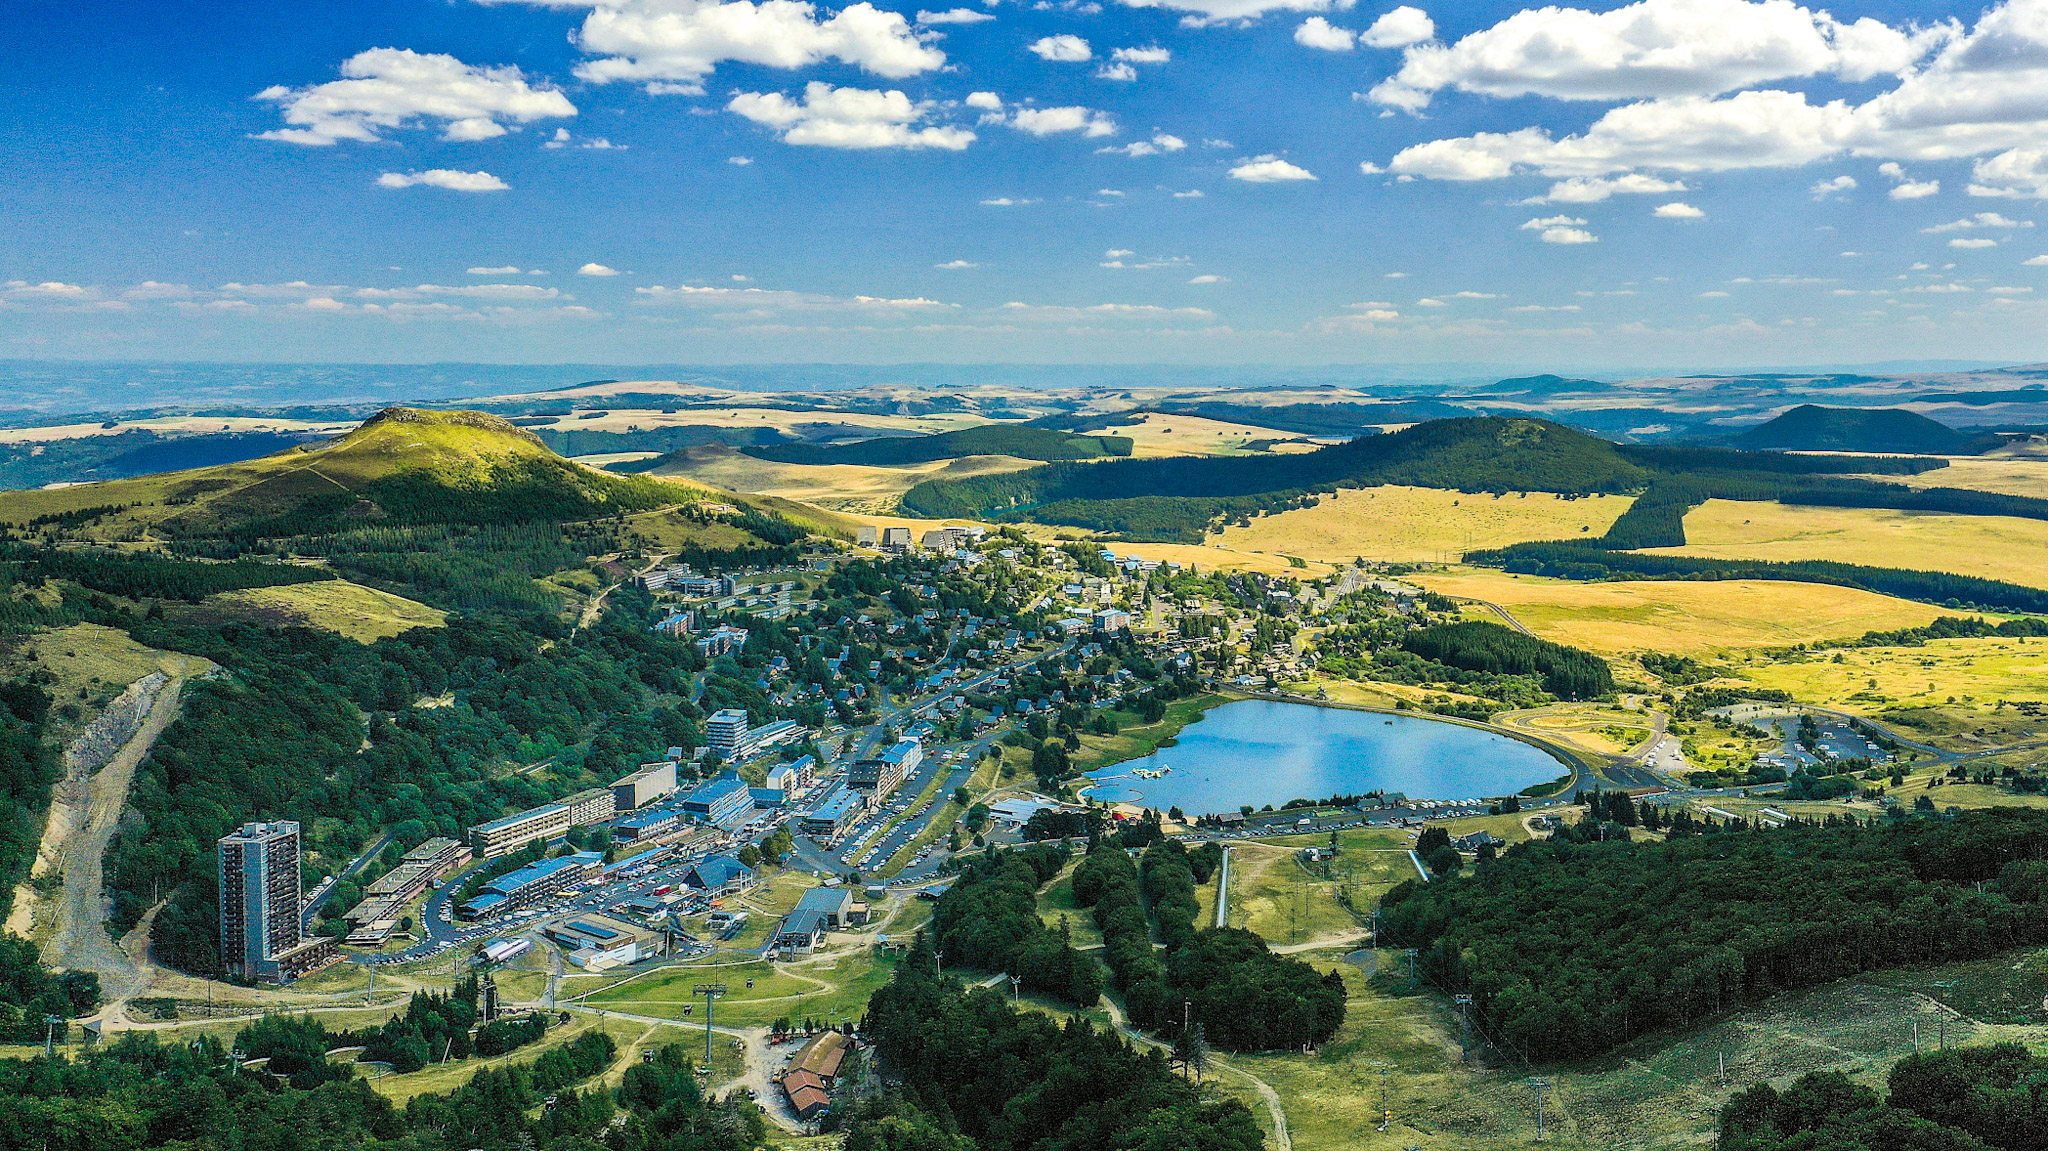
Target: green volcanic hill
(1812,428)
(1025,443)
(1175,498)
(403,466)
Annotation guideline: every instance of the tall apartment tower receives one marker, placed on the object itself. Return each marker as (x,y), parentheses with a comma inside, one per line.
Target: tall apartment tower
(259,898)
(724,731)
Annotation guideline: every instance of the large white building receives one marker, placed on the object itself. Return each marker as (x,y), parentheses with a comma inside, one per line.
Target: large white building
(724,732)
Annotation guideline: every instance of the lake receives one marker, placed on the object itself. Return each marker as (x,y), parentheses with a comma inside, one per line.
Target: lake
(1261,751)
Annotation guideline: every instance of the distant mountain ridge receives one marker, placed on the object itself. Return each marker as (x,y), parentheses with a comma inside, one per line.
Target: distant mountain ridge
(1814,428)
(1027,443)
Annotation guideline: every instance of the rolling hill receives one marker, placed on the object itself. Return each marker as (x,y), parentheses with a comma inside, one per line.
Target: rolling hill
(1468,454)
(985,440)
(403,466)
(1813,428)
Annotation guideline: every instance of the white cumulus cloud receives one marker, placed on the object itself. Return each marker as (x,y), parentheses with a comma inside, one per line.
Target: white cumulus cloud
(1653,49)
(1597,189)
(2021,173)
(1678,210)
(1159,144)
(854,118)
(1269,170)
(1316,32)
(447,178)
(1064,48)
(1152,55)
(1399,28)
(1823,189)
(955,16)
(594,269)
(1560,230)
(1957,95)
(1071,118)
(1204,12)
(1992,220)
(383,89)
(671,45)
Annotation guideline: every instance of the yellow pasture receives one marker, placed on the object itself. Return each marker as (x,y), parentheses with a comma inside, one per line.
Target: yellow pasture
(1417,525)
(1989,547)
(1682,616)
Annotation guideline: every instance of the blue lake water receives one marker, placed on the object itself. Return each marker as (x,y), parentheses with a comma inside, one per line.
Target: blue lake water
(1262,751)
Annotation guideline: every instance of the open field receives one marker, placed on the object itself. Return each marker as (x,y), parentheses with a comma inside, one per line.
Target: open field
(360,613)
(628,1034)
(1056,902)
(1161,435)
(2014,475)
(1682,617)
(1421,525)
(832,987)
(1592,727)
(841,487)
(92,664)
(1972,675)
(1275,895)
(1988,547)
(1213,557)
(173,425)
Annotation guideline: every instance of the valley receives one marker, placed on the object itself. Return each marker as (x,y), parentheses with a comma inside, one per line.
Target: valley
(402,636)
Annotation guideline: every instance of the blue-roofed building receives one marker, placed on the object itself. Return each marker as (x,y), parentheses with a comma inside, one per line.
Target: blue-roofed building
(768,796)
(820,910)
(829,819)
(532,883)
(719,798)
(719,874)
(646,825)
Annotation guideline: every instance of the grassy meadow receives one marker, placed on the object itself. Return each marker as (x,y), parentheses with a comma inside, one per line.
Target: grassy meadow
(1988,547)
(360,613)
(1682,617)
(1421,525)
(1969,674)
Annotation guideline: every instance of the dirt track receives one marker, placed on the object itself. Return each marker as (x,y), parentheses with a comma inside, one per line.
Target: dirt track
(80,939)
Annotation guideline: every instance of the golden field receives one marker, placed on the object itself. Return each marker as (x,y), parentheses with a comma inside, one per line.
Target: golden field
(1155,434)
(2014,475)
(1971,673)
(840,487)
(1421,525)
(1988,547)
(1680,616)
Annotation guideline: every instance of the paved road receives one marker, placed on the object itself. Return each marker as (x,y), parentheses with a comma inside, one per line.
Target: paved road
(322,893)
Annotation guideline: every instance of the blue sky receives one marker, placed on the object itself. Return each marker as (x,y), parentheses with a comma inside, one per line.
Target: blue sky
(1206,181)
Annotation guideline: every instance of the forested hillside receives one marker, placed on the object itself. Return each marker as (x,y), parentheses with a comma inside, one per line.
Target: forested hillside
(1177,498)
(1010,1080)
(1813,428)
(1571,949)
(1963,1099)
(1183,498)
(1476,645)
